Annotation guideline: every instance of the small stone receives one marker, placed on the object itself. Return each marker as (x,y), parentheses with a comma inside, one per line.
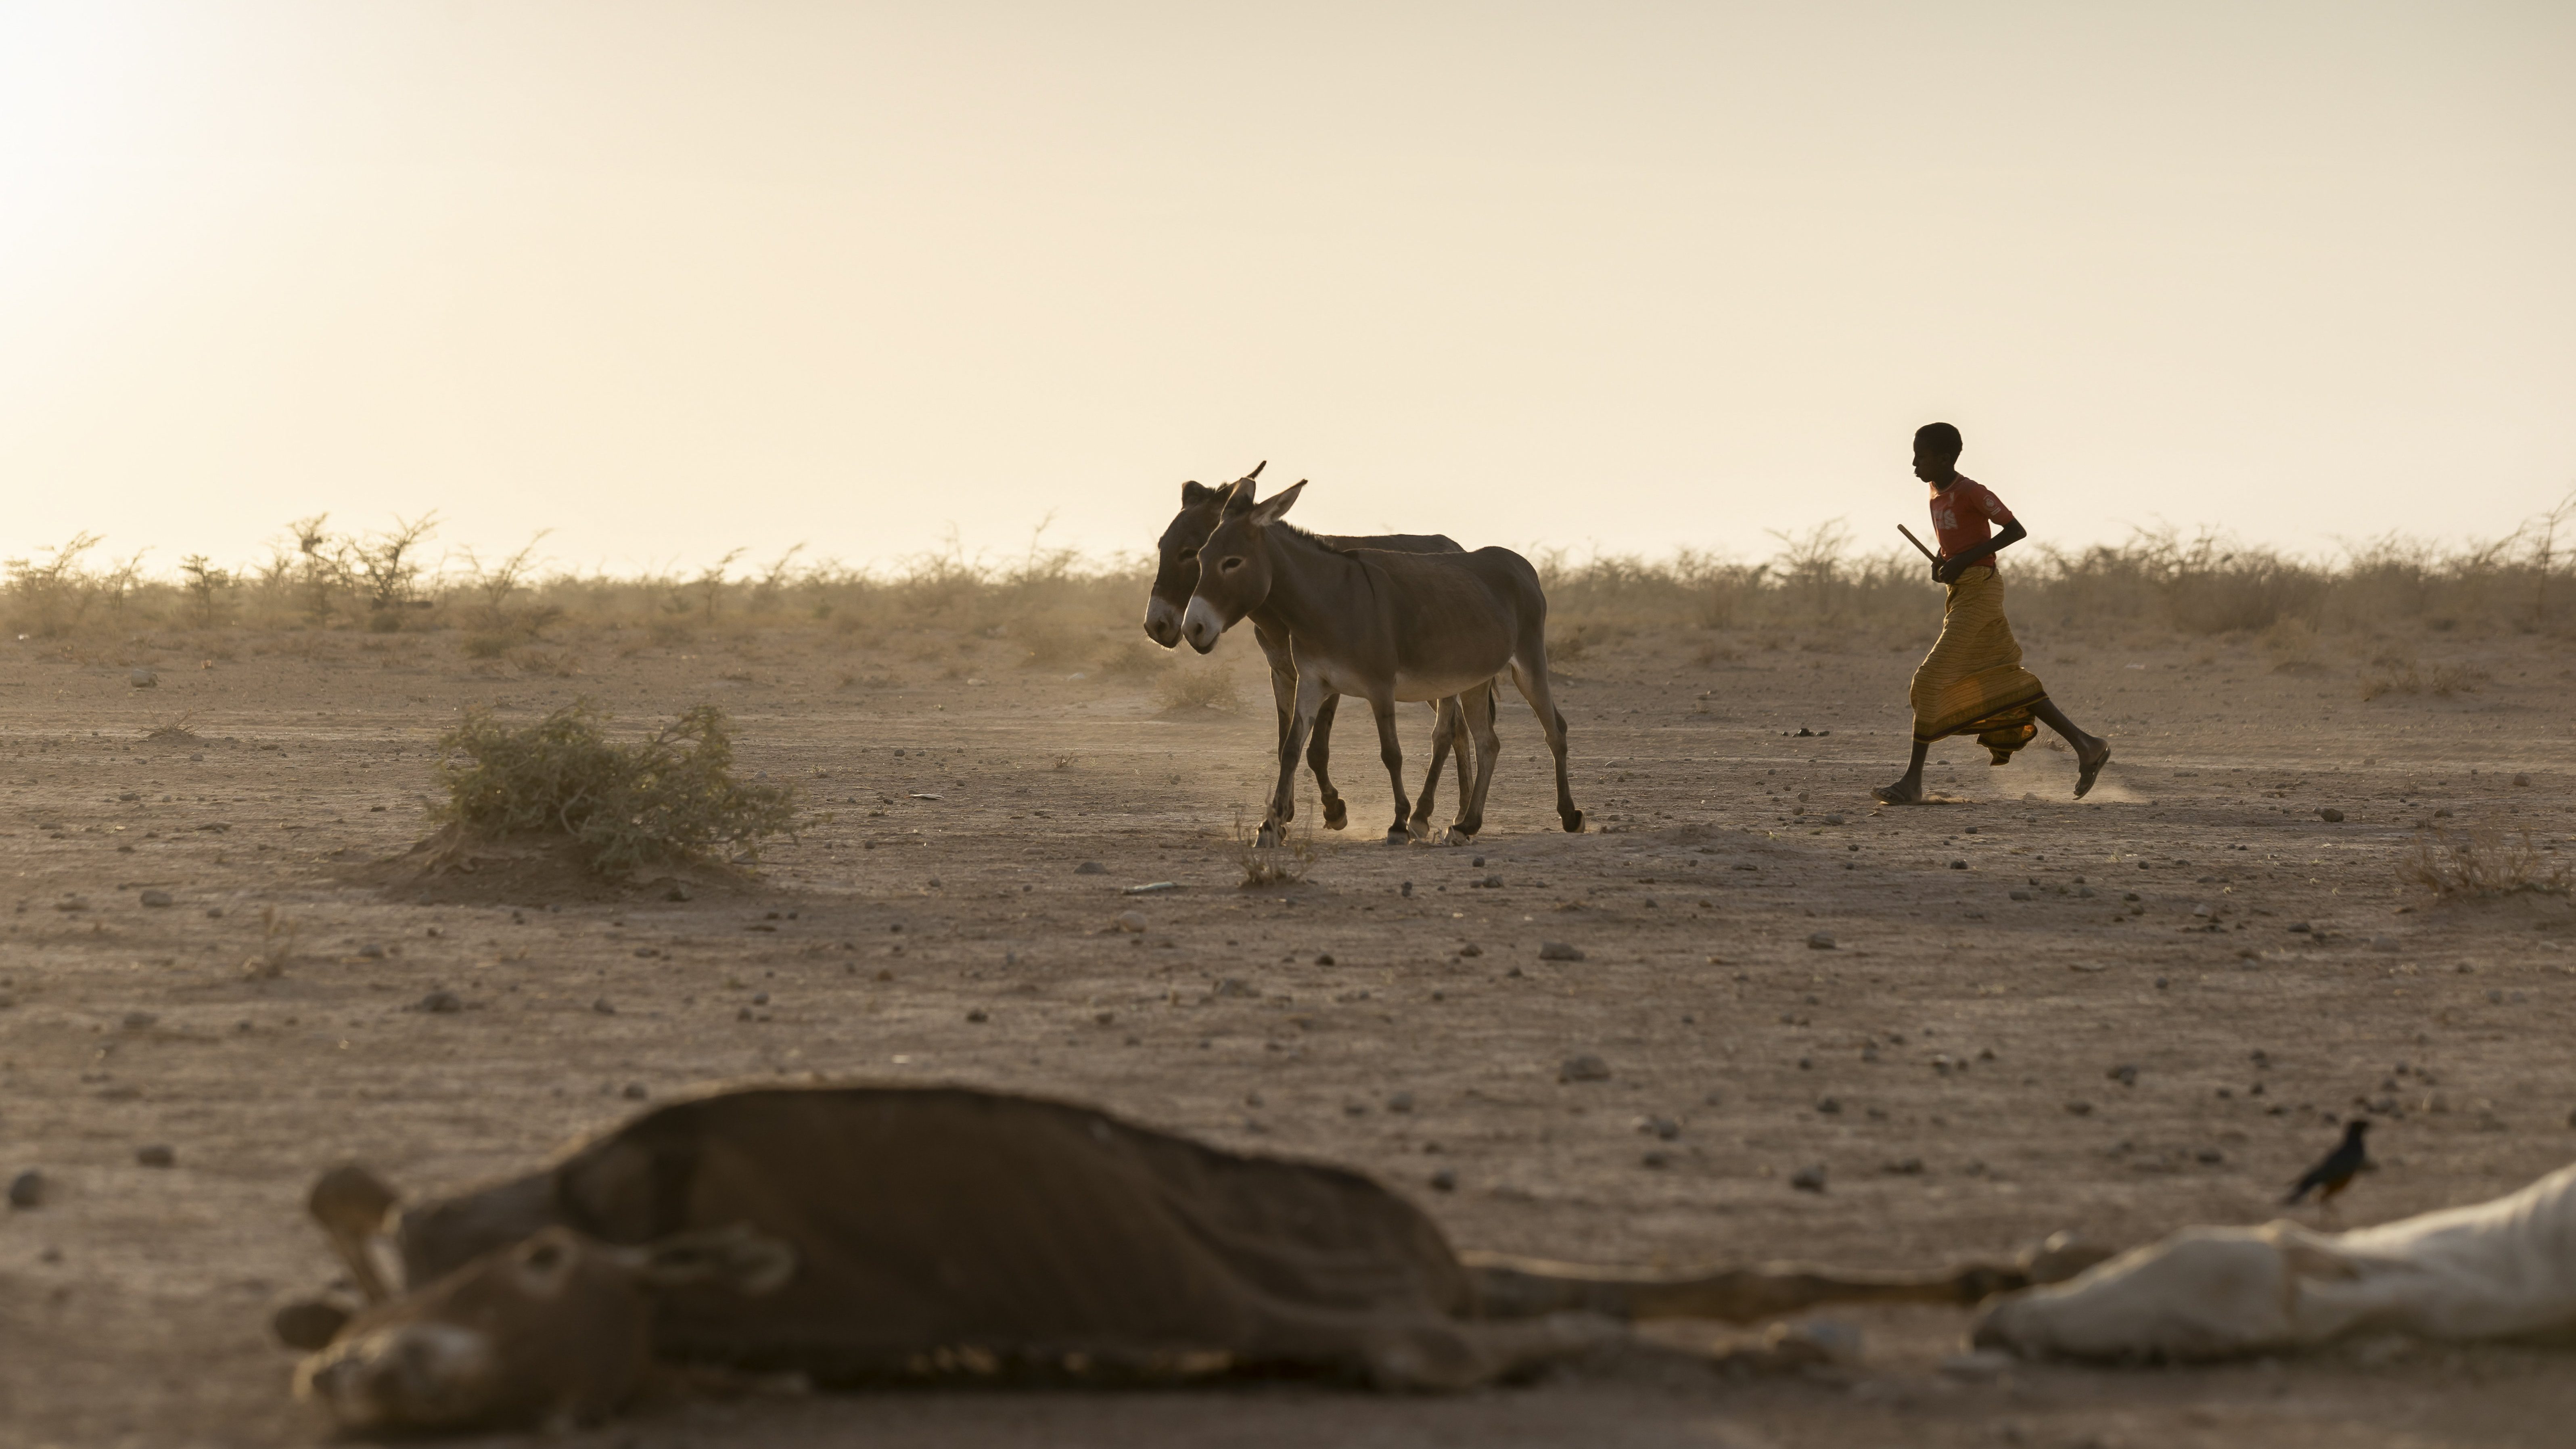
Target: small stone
(442,1003)
(139,1020)
(2209,1157)
(1558,951)
(1808,1179)
(158,898)
(1132,922)
(1471,950)
(2523,780)
(142,678)
(1400,1102)
(634,1092)
(2301,928)
(156,1155)
(978,1016)
(2124,1074)
(1323,958)
(27,1189)
(1958,865)
(1583,1068)
(1662,1128)
(1820,941)
(1234,986)
(603,1006)
(2330,815)
(372,952)
(1830,1106)
(760,998)
(1091,867)
(1444,1180)
(1657,1159)
(1905,1167)
(1478,861)
(2079,1108)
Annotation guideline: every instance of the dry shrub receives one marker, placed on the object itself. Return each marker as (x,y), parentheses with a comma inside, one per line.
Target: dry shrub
(1568,647)
(1212,687)
(1268,865)
(2457,679)
(2391,679)
(180,731)
(2482,862)
(668,798)
(487,645)
(1044,646)
(557,663)
(277,932)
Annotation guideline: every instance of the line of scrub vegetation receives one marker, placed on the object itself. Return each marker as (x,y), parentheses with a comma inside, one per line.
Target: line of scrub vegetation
(1054,608)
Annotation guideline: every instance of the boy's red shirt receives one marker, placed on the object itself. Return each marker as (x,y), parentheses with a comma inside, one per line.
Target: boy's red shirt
(1962,515)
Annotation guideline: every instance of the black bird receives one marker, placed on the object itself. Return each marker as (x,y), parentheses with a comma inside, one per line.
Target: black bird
(2335,1173)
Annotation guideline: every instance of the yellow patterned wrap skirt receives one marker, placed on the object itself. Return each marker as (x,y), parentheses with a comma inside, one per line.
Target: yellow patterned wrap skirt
(1972,682)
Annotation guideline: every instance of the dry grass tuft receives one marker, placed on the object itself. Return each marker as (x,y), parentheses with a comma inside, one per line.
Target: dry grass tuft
(180,731)
(1212,687)
(668,798)
(277,932)
(2482,863)
(1270,865)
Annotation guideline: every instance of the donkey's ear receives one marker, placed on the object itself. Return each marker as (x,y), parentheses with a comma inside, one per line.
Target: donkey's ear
(1238,496)
(1194,493)
(1256,470)
(1269,509)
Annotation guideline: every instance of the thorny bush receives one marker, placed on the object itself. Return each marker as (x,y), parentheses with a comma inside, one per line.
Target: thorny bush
(668,798)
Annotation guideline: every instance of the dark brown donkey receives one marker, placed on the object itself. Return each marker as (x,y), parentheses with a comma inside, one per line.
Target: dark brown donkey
(1176,574)
(867,1234)
(1385,627)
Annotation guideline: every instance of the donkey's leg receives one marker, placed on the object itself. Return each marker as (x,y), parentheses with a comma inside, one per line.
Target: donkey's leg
(1418,825)
(1392,754)
(1529,671)
(1319,750)
(1466,756)
(1310,698)
(1417,1350)
(1507,1287)
(1479,707)
(1283,697)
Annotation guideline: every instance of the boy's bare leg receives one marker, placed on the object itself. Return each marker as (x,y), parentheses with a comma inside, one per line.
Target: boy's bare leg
(1910,789)
(2091,753)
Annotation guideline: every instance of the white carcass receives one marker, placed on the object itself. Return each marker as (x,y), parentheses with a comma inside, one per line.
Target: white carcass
(2499,1269)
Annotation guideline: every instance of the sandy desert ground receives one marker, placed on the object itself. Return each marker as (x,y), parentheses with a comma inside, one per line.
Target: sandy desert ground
(1954,1062)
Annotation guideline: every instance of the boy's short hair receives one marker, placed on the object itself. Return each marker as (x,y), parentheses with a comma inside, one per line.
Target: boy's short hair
(1939,437)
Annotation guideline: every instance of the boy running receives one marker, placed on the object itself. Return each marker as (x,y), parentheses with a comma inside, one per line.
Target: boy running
(1972,682)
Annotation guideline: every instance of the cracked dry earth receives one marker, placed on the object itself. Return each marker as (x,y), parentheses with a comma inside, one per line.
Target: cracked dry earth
(2118,1016)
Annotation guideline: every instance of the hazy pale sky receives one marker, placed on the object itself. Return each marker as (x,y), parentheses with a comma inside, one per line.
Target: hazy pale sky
(671,278)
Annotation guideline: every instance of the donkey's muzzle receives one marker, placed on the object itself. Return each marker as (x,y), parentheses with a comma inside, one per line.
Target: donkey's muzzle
(1201,626)
(1162,622)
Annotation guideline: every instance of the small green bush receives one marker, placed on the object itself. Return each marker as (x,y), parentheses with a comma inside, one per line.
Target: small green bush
(668,798)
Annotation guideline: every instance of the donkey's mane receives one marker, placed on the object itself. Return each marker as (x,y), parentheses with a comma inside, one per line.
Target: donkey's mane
(1303,536)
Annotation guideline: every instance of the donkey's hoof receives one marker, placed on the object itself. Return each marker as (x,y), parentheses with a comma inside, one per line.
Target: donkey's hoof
(1458,835)
(1336,814)
(1268,839)
(1395,835)
(1417,829)
(1574,823)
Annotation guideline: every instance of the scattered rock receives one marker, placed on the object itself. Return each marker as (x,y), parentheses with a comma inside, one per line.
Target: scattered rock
(1808,1179)
(1583,1068)
(1664,1128)
(634,1092)
(1829,1106)
(27,1189)
(1444,1180)
(2330,815)
(442,1003)
(1091,867)
(1471,950)
(1820,941)
(2124,1074)
(142,678)
(1132,922)
(156,1155)
(1324,958)
(159,898)
(1905,1167)
(603,1006)
(1656,1158)
(1400,1102)
(2023,895)
(1958,865)
(139,1020)
(1557,951)
(1234,986)
(2079,1108)
(372,952)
